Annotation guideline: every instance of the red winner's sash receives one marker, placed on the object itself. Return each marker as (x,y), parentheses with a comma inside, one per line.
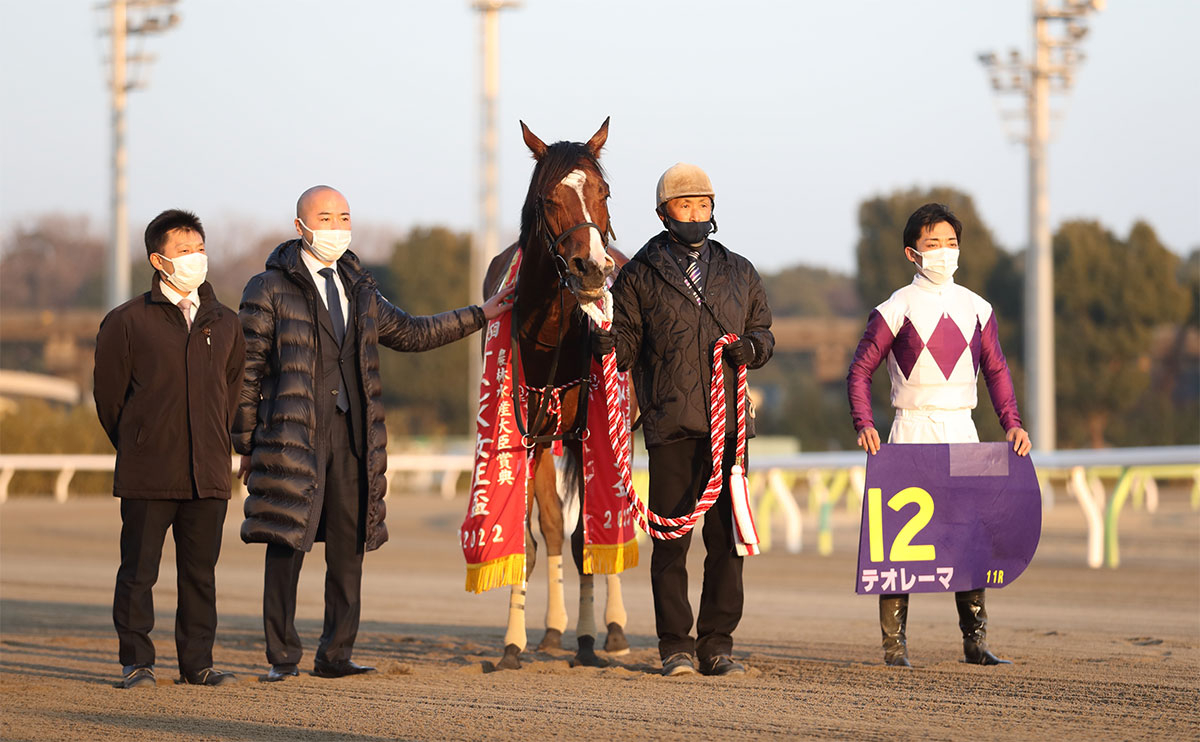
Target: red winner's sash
(609,538)
(493,533)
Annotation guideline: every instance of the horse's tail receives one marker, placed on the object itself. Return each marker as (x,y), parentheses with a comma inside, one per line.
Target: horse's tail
(570,487)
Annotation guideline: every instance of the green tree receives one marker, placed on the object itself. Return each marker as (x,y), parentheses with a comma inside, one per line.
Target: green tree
(428,273)
(805,291)
(31,269)
(1110,296)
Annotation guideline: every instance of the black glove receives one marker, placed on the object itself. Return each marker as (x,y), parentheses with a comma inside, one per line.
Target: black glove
(740,352)
(602,342)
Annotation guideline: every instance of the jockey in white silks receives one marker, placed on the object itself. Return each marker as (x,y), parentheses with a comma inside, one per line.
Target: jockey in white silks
(936,337)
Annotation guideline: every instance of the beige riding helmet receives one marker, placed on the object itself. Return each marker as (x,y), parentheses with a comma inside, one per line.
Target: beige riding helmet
(682,180)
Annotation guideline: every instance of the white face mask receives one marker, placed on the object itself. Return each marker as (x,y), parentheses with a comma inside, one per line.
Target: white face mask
(328,244)
(190,271)
(939,265)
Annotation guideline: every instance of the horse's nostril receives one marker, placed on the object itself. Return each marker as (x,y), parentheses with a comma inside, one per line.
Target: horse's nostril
(580,266)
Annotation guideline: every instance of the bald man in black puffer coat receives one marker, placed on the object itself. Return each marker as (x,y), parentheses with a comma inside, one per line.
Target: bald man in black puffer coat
(310,423)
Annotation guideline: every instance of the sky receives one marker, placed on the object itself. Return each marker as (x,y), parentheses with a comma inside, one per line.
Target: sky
(798,111)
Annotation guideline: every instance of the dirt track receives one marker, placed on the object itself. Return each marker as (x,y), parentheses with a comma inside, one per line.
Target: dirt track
(1100,653)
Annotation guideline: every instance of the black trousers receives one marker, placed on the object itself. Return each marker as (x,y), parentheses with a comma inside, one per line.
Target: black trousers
(342,525)
(678,473)
(196,526)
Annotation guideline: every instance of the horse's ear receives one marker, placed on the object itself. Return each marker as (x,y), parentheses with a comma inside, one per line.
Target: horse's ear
(535,145)
(596,143)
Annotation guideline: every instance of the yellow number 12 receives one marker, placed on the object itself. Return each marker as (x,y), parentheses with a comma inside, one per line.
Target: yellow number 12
(903,550)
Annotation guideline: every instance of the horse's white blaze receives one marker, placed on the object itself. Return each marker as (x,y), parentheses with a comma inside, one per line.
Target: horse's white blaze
(575,180)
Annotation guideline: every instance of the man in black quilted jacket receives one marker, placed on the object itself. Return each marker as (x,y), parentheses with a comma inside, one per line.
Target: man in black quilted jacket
(310,422)
(671,303)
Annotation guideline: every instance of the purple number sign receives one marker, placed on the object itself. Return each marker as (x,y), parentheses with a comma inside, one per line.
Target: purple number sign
(947,517)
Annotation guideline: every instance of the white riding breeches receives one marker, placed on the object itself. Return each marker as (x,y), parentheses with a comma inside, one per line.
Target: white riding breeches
(933,426)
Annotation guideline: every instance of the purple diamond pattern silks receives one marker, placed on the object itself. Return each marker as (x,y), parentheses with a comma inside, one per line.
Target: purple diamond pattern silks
(907,347)
(976,346)
(946,345)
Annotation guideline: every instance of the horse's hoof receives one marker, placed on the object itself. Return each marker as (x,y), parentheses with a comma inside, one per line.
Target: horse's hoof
(616,643)
(511,659)
(586,654)
(552,640)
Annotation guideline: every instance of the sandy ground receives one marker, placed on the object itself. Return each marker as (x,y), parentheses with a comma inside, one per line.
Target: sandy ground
(1109,654)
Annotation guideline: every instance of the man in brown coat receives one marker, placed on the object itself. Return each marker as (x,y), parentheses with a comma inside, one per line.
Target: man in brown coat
(168,373)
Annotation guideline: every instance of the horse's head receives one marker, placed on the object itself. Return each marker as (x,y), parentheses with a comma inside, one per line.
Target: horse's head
(567,211)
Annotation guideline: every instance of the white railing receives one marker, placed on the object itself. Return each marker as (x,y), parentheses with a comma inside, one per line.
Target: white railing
(449,466)
(776,482)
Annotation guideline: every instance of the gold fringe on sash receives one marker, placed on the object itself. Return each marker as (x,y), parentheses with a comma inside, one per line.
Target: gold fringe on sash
(610,559)
(506,570)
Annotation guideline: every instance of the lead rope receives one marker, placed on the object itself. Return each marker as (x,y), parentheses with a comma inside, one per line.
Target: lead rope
(618,433)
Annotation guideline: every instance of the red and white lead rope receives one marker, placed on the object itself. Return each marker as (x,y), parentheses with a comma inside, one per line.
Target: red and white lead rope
(618,432)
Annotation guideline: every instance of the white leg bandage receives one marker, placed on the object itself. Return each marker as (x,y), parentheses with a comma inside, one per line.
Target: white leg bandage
(556,606)
(614,609)
(516,618)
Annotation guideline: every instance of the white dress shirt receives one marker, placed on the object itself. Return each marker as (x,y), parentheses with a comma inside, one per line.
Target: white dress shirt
(315,267)
(175,297)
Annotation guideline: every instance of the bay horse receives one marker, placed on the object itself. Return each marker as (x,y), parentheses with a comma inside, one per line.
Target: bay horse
(565,264)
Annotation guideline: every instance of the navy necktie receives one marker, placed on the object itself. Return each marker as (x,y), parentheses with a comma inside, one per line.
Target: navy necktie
(334,300)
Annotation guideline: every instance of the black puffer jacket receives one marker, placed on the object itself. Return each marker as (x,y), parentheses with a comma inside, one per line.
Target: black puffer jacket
(276,419)
(668,338)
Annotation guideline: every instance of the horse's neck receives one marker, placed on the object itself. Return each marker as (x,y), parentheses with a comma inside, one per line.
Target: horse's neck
(542,307)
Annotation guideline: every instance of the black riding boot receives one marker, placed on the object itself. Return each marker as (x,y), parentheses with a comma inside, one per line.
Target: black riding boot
(893,617)
(972,619)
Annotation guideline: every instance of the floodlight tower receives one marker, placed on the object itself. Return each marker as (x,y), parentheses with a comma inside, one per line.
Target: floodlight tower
(1058,28)
(486,245)
(150,16)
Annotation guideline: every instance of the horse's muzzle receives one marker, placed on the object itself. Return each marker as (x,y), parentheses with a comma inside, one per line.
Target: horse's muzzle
(587,280)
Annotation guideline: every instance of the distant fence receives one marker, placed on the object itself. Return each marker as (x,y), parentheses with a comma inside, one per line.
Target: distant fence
(778,482)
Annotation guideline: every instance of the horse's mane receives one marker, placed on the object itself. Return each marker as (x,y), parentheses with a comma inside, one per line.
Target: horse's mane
(560,159)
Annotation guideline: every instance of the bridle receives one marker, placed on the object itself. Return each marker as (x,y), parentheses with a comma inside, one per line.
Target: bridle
(549,392)
(560,263)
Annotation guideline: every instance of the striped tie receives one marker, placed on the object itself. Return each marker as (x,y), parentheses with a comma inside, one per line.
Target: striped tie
(693,272)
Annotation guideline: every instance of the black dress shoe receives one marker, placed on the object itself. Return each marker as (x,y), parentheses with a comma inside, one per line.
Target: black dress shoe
(339,669)
(139,677)
(280,672)
(722,664)
(208,676)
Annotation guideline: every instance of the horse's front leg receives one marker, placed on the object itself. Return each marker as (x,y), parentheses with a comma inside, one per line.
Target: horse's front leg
(515,639)
(615,618)
(550,520)
(585,629)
